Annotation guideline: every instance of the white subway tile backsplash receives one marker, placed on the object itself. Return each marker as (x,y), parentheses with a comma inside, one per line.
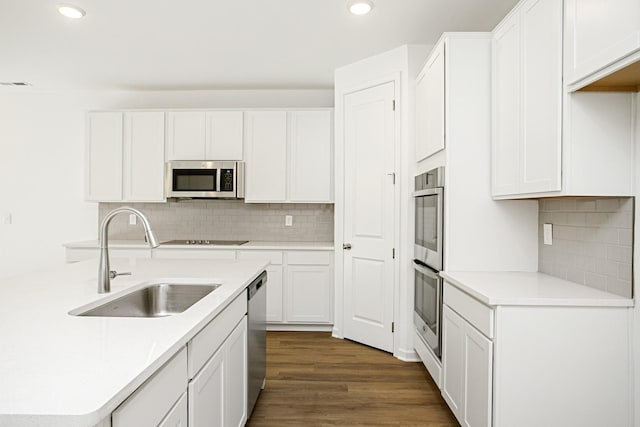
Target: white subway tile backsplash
(592,241)
(226,220)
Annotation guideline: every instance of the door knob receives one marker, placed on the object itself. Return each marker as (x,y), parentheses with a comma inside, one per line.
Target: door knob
(346,246)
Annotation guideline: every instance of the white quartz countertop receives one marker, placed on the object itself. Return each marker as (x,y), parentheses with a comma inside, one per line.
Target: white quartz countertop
(63,370)
(254,245)
(530,288)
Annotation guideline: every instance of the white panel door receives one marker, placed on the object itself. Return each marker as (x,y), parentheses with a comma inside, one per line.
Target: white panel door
(144,157)
(224,135)
(453,330)
(434,115)
(540,153)
(369,126)
(235,377)
(274,293)
(177,417)
(478,378)
(266,169)
(206,393)
(309,294)
(506,108)
(186,132)
(598,33)
(311,156)
(103,154)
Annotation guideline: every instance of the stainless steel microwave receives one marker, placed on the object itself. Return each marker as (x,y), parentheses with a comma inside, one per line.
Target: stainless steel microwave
(205,179)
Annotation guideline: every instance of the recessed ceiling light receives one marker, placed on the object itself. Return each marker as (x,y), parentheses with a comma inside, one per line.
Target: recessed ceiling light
(360,7)
(70,11)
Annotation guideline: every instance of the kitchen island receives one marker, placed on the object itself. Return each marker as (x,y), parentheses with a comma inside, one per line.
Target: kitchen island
(63,370)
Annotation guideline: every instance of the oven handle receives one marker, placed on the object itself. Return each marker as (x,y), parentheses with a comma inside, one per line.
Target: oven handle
(425,270)
(429,192)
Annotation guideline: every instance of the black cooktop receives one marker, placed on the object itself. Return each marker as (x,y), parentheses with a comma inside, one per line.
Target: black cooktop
(206,242)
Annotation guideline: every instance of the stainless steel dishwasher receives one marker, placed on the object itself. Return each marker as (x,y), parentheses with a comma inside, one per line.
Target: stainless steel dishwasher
(256,339)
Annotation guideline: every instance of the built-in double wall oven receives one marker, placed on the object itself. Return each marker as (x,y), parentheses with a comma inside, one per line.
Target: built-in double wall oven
(428,257)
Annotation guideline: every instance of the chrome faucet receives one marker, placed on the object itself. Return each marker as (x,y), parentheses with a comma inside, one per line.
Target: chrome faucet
(104,274)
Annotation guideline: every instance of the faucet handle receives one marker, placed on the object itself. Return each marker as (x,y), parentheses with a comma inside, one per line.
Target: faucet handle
(113,274)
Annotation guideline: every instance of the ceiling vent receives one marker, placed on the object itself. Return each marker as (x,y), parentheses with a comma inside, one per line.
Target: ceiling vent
(15,84)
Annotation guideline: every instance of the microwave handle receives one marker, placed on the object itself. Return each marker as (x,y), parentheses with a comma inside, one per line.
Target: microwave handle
(218,178)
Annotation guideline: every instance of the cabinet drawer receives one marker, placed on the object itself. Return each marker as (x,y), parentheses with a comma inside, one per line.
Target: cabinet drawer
(309,257)
(155,398)
(274,257)
(203,345)
(472,310)
(193,254)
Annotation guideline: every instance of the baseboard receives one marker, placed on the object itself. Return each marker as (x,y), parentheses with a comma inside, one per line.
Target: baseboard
(407,355)
(298,327)
(336,333)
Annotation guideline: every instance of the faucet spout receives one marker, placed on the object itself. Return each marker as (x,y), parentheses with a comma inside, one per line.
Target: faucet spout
(104,276)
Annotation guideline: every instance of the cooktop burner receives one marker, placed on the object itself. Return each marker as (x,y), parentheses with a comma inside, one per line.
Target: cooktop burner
(206,242)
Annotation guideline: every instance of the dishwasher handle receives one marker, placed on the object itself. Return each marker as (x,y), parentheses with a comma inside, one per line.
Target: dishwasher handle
(257,284)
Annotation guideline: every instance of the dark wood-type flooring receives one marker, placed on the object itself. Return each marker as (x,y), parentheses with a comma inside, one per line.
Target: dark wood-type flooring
(316,380)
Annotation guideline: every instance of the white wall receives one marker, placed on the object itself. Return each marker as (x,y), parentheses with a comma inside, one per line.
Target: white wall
(42,161)
(400,65)
(636,272)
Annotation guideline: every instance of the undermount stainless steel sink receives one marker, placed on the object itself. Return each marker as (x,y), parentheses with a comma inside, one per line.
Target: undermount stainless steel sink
(156,300)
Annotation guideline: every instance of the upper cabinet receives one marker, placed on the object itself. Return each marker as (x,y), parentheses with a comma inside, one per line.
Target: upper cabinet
(601,37)
(546,142)
(430,89)
(289,156)
(205,135)
(125,157)
(527,100)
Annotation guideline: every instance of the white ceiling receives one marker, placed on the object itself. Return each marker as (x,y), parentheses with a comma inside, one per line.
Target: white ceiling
(216,44)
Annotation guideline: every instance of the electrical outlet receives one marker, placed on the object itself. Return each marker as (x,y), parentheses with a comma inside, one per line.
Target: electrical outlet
(6,218)
(133,220)
(288,220)
(548,234)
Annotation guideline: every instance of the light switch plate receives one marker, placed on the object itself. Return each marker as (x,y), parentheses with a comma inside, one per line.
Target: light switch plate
(133,220)
(548,233)
(288,220)
(6,218)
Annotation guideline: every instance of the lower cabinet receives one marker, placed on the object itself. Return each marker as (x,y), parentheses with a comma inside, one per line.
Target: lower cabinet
(309,294)
(535,365)
(467,377)
(203,385)
(218,393)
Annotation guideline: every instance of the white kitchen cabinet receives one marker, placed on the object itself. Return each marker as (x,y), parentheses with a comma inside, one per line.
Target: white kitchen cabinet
(177,417)
(289,156)
(204,135)
(274,281)
(143,157)
(467,373)
(309,287)
(151,403)
(311,157)
(597,34)
(266,168)
(218,393)
(430,105)
(499,359)
(103,157)
(125,157)
(527,101)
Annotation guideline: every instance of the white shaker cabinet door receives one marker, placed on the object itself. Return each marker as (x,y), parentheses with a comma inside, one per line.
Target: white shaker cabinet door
(541,129)
(144,157)
(235,400)
(186,132)
(177,417)
(224,135)
(103,157)
(274,293)
(266,169)
(430,103)
(310,158)
(206,393)
(309,294)
(598,33)
(506,109)
(453,327)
